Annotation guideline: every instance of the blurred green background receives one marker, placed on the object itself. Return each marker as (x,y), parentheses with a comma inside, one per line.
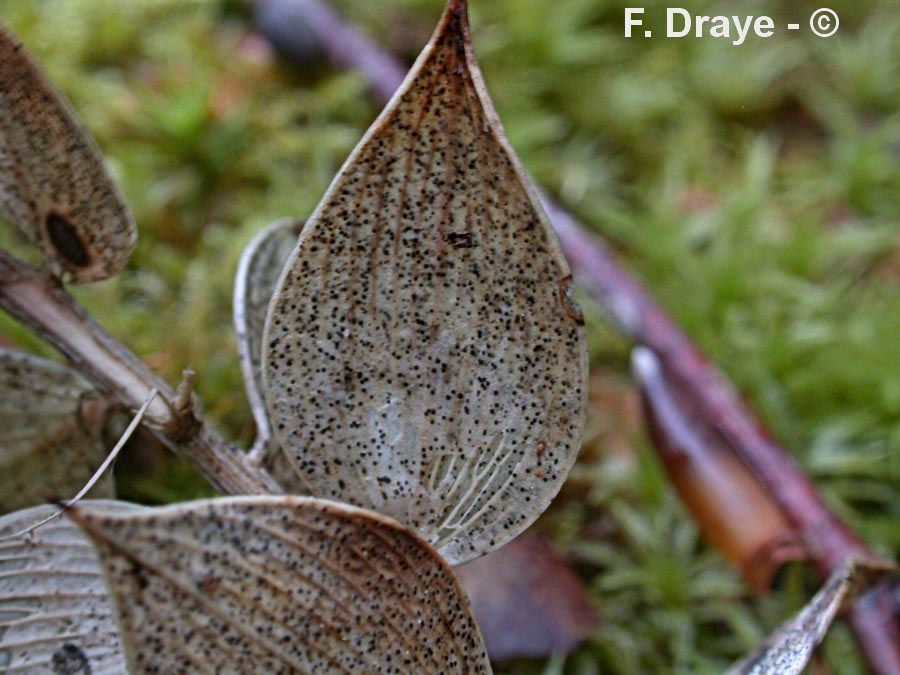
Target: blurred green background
(755,189)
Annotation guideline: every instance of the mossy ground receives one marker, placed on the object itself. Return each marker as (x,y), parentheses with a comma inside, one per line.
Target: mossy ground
(755,190)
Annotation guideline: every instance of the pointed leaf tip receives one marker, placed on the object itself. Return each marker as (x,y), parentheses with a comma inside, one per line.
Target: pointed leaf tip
(424,357)
(460,10)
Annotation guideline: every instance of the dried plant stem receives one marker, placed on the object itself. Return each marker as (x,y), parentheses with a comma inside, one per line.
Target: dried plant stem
(39,301)
(874,616)
(735,513)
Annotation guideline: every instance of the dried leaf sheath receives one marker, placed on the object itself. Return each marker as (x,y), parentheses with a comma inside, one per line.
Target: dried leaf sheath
(53,184)
(424,355)
(734,512)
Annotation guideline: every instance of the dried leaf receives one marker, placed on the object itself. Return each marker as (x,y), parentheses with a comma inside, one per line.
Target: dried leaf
(423,355)
(281,585)
(788,650)
(735,513)
(56,614)
(257,275)
(275,460)
(528,600)
(51,432)
(53,184)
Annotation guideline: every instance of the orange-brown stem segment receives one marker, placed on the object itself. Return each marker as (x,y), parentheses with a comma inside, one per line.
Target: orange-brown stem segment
(734,512)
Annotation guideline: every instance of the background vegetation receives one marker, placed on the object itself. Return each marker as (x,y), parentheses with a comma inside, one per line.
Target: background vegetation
(754,189)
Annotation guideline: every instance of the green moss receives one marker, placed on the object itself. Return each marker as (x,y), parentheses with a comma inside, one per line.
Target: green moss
(753,189)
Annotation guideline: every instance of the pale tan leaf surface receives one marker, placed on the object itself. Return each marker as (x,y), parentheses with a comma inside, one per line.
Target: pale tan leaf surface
(53,184)
(55,608)
(281,585)
(528,600)
(257,276)
(51,432)
(789,649)
(274,459)
(424,357)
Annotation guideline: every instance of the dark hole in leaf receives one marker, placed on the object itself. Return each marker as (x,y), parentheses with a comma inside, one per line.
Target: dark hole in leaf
(66,240)
(70,660)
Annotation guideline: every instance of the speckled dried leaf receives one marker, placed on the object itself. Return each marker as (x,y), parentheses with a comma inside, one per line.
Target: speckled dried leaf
(53,184)
(789,649)
(257,276)
(423,354)
(281,585)
(55,608)
(51,432)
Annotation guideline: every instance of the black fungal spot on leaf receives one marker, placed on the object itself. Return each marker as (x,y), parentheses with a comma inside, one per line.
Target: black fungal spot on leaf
(460,239)
(70,660)
(65,240)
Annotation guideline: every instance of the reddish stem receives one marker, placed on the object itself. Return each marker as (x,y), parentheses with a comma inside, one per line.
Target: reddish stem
(874,617)
(347,48)
(734,512)
(640,317)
